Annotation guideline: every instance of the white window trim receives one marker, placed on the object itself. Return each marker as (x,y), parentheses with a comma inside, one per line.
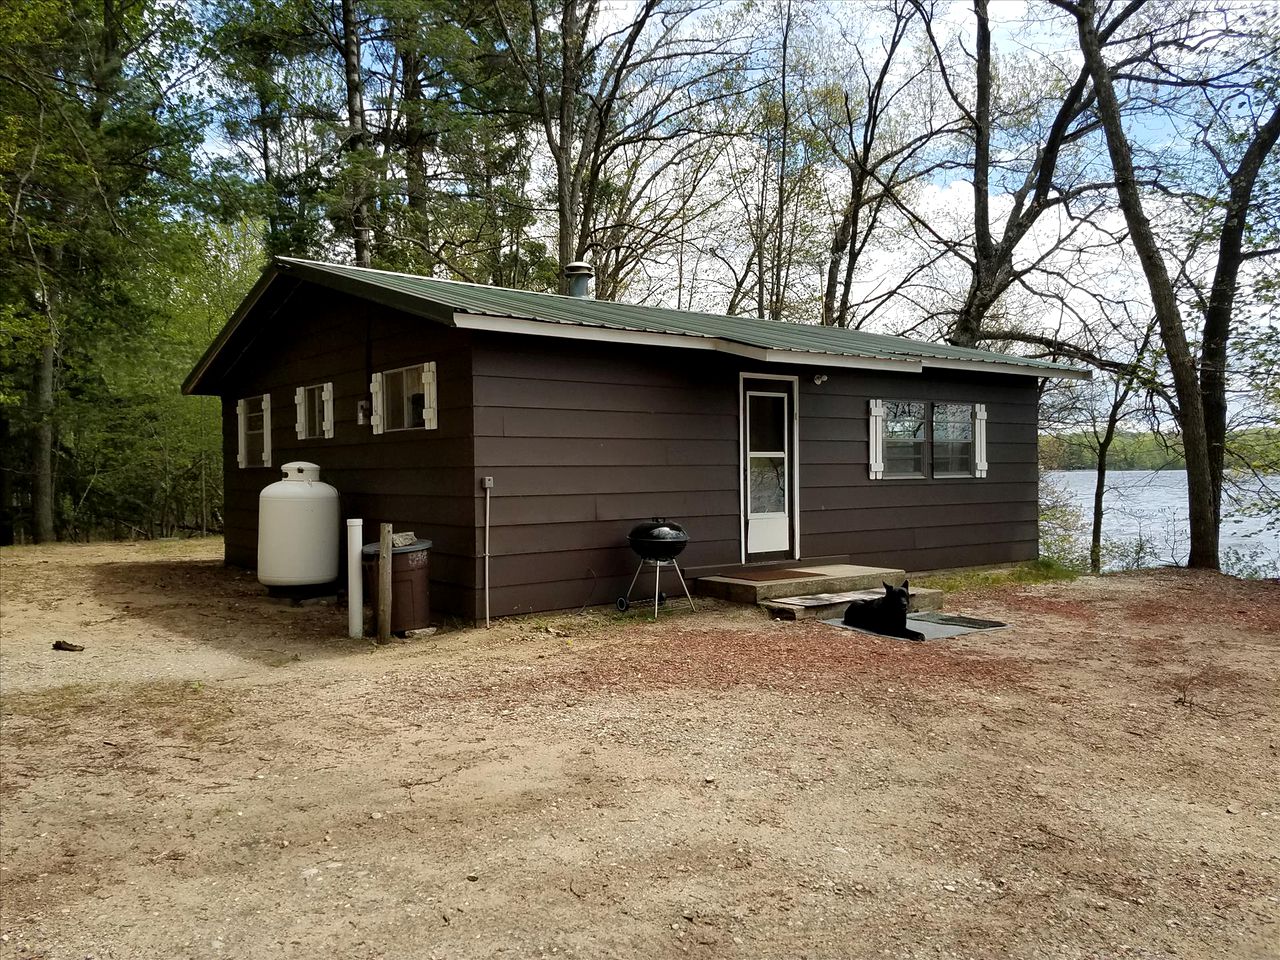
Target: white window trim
(973,419)
(980,465)
(430,412)
(242,432)
(875,440)
(266,429)
(375,413)
(300,408)
(430,401)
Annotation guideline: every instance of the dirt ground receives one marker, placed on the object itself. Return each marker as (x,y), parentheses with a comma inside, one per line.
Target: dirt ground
(219,775)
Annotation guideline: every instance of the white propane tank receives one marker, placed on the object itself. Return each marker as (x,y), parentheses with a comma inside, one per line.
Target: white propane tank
(298,524)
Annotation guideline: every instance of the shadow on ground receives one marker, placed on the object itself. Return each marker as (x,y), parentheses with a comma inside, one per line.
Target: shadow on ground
(223,607)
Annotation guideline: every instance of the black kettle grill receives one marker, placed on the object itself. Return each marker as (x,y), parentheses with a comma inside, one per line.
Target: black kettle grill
(657,542)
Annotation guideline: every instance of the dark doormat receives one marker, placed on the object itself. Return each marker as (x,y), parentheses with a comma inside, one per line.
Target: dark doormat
(770,575)
(935,626)
(955,620)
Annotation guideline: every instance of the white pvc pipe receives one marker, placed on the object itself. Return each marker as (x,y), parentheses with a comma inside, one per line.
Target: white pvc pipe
(486,556)
(355,586)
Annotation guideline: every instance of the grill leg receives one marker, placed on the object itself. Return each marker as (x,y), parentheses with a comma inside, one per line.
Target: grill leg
(657,576)
(685,585)
(634,579)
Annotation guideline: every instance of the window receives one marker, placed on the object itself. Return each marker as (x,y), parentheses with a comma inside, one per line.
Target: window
(404,399)
(315,411)
(912,438)
(904,438)
(953,439)
(253,418)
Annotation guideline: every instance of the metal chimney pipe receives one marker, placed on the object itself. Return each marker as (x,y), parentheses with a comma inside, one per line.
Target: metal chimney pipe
(579,274)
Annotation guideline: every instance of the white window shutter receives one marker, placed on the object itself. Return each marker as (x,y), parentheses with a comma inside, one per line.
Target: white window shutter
(327,394)
(875,435)
(979,439)
(300,402)
(242,441)
(429,395)
(266,429)
(376,415)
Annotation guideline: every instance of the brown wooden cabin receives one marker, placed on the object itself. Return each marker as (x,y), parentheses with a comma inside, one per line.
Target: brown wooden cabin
(767,441)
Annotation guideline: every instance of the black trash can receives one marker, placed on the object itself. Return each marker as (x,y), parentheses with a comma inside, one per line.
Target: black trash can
(410,583)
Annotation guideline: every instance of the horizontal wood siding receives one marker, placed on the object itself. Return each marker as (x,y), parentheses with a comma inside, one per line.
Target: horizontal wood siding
(917,524)
(419,480)
(584,441)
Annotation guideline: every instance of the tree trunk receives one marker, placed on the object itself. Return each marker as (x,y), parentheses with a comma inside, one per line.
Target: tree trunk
(356,142)
(969,322)
(42,455)
(1217,315)
(1100,486)
(839,246)
(1191,419)
(1099,490)
(777,296)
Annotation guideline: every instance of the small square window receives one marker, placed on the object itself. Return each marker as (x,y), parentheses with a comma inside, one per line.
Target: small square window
(253,418)
(405,398)
(315,411)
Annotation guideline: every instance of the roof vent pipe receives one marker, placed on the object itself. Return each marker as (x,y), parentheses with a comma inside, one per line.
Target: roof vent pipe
(579,274)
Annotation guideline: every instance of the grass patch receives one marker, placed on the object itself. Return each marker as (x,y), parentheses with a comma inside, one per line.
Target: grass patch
(190,711)
(1034,571)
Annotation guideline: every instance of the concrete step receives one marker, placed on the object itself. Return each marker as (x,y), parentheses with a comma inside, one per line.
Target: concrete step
(827,606)
(820,578)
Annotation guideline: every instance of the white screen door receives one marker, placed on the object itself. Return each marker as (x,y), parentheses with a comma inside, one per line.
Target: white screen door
(768,472)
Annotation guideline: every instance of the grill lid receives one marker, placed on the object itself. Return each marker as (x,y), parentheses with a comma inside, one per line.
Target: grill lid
(658,539)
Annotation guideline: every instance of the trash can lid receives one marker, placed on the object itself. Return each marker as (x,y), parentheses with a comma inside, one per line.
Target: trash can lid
(371,549)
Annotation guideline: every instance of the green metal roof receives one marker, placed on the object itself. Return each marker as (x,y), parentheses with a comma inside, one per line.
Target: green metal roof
(441,300)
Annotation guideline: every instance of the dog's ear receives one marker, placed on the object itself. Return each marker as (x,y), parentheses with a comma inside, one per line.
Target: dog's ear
(906,584)
(887,588)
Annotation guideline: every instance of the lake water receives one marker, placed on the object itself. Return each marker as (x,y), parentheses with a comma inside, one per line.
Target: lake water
(1153,504)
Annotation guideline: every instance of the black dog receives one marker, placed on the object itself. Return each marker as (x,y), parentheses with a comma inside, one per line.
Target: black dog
(885,615)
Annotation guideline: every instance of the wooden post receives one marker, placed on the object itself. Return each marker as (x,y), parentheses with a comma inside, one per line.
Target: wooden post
(384,584)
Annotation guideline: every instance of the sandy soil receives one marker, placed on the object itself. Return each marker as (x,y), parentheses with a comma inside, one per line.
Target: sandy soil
(219,775)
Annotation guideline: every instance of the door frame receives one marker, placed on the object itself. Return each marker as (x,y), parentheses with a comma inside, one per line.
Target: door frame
(793,452)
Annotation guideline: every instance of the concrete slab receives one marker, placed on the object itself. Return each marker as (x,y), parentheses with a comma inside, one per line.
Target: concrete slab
(821,578)
(823,606)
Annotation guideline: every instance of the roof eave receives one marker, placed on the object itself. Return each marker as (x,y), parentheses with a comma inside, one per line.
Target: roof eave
(568,330)
(1054,371)
(685,341)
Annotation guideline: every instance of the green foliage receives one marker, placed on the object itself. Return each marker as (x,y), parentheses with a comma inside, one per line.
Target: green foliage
(138,458)
(1256,564)
(1256,448)
(1063,541)
(1129,451)
(96,145)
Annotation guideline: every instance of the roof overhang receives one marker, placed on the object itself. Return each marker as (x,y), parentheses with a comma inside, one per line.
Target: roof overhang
(612,334)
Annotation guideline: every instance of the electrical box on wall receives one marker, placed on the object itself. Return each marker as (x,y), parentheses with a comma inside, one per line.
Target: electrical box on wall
(486,483)
(362,412)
